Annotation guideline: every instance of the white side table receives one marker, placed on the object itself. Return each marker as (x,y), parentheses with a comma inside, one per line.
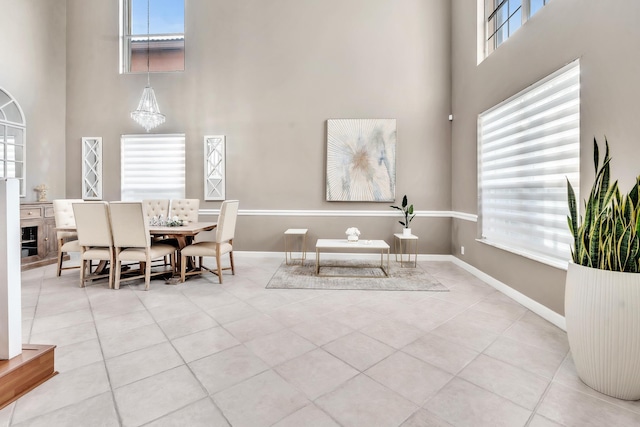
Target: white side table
(408,241)
(293,233)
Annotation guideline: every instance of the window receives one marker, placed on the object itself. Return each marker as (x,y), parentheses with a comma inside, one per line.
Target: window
(504,17)
(153,167)
(12,140)
(162,46)
(529,145)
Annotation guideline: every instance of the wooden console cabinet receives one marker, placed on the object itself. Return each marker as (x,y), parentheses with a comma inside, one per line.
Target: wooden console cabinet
(39,245)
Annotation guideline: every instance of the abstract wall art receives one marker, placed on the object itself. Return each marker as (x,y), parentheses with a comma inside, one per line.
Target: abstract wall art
(361,160)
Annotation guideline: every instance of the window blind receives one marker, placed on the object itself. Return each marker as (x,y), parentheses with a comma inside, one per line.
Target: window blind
(529,145)
(152,167)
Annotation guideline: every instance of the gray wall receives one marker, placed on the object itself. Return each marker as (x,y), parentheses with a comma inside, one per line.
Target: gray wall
(32,70)
(268,74)
(606,38)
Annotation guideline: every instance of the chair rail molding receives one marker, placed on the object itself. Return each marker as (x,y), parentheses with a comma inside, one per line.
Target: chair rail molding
(344,213)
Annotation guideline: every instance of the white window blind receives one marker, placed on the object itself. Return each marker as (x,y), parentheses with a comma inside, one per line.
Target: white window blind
(529,145)
(153,167)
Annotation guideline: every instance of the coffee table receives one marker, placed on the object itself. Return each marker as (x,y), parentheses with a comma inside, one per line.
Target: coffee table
(328,245)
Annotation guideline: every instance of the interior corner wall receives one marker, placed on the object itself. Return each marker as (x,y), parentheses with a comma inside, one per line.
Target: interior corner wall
(605,36)
(268,74)
(33,71)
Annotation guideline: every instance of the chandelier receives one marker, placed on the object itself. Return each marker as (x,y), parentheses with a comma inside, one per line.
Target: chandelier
(148,113)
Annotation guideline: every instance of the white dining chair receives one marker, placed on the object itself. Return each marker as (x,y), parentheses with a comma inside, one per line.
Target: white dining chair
(155,208)
(67,240)
(185,209)
(221,244)
(132,242)
(94,236)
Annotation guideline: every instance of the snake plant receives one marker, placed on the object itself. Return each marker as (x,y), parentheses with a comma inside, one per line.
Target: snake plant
(608,237)
(407,211)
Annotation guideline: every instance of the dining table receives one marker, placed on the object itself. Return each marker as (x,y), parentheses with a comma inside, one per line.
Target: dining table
(182,233)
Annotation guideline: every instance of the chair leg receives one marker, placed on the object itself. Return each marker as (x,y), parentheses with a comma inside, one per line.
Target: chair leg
(113,264)
(118,268)
(60,253)
(233,268)
(147,274)
(83,268)
(219,267)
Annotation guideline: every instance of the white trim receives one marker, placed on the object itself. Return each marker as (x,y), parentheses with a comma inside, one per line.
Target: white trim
(343,213)
(539,309)
(464,216)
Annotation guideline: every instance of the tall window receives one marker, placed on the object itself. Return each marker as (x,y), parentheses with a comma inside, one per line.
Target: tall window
(152,167)
(504,17)
(529,145)
(163,46)
(12,129)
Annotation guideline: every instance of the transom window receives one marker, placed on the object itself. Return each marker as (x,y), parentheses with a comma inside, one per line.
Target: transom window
(504,17)
(529,145)
(163,46)
(12,140)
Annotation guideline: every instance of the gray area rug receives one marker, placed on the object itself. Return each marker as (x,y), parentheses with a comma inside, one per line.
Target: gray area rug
(298,276)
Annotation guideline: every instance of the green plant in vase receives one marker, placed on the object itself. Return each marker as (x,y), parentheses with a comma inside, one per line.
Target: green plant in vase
(407,211)
(602,290)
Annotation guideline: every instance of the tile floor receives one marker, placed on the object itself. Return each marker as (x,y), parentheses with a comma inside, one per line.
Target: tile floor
(204,354)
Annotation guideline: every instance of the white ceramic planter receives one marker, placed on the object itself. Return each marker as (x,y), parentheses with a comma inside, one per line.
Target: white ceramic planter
(406,232)
(602,311)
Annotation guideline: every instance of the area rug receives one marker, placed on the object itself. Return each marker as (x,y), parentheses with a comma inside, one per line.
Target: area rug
(297,276)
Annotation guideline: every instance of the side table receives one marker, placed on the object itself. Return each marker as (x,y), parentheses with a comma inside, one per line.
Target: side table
(399,239)
(293,233)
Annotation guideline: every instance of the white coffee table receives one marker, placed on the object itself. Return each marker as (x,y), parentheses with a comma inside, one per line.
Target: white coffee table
(327,245)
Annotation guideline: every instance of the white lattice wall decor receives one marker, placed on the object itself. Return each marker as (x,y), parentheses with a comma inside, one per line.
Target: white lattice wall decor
(92,168)
(214,167)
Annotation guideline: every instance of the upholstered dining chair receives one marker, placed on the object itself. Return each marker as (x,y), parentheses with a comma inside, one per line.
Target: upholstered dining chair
(132,242)
(94,237)
(67,240)
(185,209)
(220,245)
(155,207)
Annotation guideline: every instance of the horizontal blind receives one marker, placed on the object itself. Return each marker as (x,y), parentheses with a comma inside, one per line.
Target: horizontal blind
(529,146)
(152,167)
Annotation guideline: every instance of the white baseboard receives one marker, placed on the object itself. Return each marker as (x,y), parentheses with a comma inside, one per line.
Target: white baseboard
(534,306)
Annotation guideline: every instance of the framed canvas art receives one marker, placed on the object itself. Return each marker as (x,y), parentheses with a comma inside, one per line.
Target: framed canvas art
(361,160)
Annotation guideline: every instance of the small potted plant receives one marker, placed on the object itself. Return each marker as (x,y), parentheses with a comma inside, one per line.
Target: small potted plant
(407,211)
(602,293)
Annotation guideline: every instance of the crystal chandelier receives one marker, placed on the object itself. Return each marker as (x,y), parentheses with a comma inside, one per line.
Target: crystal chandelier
(148,113)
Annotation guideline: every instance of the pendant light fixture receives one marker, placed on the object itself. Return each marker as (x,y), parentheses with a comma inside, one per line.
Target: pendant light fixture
(148,113)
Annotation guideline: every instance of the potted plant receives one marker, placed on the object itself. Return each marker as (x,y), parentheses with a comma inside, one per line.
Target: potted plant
(407,211)
(602,294)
